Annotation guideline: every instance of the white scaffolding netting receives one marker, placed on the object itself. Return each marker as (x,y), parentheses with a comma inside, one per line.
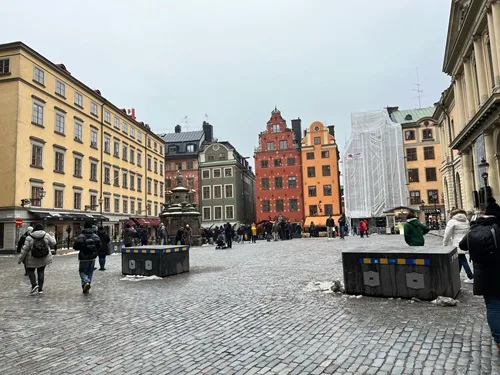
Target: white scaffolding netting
(373,160)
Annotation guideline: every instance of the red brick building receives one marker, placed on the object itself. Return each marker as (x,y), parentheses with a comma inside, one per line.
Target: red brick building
(278,181)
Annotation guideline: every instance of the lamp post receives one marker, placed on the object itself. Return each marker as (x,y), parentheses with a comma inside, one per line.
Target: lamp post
(100,207)
(483,167)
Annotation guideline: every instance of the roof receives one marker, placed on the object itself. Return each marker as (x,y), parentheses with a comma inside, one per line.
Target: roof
(182,136)
(403,116)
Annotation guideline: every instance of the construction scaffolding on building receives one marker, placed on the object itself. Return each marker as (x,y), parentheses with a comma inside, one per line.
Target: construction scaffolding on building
(373,163)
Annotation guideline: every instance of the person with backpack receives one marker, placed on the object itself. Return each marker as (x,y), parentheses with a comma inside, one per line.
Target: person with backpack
(36,255)
(483,243)
(103,250)
(87,243)
(456,228)
(20,244)
(330,226)
(414,230)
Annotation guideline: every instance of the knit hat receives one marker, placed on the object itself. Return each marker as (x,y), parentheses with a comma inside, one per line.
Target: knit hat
(30,229)
(38,227)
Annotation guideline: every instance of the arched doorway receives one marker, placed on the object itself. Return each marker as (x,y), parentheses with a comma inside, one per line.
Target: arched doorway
(459,191)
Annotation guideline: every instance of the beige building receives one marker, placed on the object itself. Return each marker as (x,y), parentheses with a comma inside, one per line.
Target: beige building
(472,59)
(69,155)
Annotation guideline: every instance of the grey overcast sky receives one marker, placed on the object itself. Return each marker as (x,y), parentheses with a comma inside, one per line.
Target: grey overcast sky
(234,60)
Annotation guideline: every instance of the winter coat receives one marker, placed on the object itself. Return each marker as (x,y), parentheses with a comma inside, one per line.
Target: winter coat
(25,255)
(342,220)
(21,241)
(330,222)
(414,232)
(486,275)
(456,228)
(180,238)
(187,236)
(493,209)
(88,244)
(103,250)
(128,237)
(254,230)
(162,232)
(228,230)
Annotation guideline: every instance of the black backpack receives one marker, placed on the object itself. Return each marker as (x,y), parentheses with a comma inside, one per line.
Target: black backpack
(90,247)
(483,241)
(39,248)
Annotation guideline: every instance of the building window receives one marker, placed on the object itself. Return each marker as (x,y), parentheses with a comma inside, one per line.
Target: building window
(172,149)
(411,154)
(60,88)
(415,197)
(139,183)
(77,200)
(37,155)
(311,191)
(116,149)
(107,204)
(125,180)
(132,132)
(156,209)
(264,183)
(277,162)
(190,182)
(264,163)
(311,172)
(179,166)
(270,146)
(93,171)
(117,205)
(292,182)
(155,188)
(217,213)
(325,169)
(317,140)
(155,166)
(149,163)
(58,199)
(60,120)
(409,135)
(116,177)
(327,190)
(430,174)
(107,175)
(93,202)
(427,134)
(132,181)
(283,145)
(205,174)
(310,156)
(413,175)
(313,210)
(325,154)
(139,136)
(125,127)
(190,148)
(36,196)
(229,212)
(432,197)
(132,156)
(189,165)
(37,117)
(59,162)
(107,144)
(228,191)
(206,192)
(290,161)
(293,204)
(429,153)
(149,142)
(161,169)
(168,183)
(116,123)
(280,205)
(93,138)
(4,69)
(228,172)
(266,206)
(162,189)
(125,206)
(328,209)
(139,159)
(278,182)
(149,186)
(78,99)
(217,192)
(78,131)
(38,75)
(276,128)
(125,152)
(139,208)
(132,207)
(107,117)
(207,213)
(211,158)
(77,164)
(93,108)
(216,173)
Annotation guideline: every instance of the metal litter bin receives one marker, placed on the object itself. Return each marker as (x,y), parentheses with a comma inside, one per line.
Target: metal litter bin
(157,260)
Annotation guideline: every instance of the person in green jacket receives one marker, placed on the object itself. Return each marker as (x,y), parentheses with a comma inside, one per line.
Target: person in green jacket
(414,231)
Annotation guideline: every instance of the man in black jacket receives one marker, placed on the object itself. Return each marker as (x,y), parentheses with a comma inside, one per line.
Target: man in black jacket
(492,208)
(229,232)
(330,227)
(103,249)
(87,243)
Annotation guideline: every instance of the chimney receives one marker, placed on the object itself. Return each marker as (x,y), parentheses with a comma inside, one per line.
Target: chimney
(297,130)
(209,131)
(177,128)
(131,113)
(331,129)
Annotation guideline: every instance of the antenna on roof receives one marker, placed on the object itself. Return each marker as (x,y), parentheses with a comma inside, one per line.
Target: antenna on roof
(206,117)
(418,90)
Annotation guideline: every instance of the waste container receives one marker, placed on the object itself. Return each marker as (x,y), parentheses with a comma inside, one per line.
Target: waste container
(157,260)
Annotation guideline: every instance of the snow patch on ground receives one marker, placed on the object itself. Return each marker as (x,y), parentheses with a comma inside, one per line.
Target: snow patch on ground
(140,278)
(319,286)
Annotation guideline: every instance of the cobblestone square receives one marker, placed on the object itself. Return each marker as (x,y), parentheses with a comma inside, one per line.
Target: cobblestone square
(240,311)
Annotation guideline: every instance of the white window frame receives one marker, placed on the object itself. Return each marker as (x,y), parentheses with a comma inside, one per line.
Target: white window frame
(139,158)
(37,144)
(125,205)
(79,99)
(78,124)
(60,88)
(107,204)
(190,148)
(81,165)
(94,108)
(203,193)
(107,144)
(209,210)
(116,123)
(221,213)
(93,163)
(59,114)
(107,117)
(202,174)
(232,191)
(38,75)
(139,136)
(221,192)
(56,189)
(107,180)
(80,200)
(216,169)
(63,153)
(230,174)
(125,127)
(225,212)
(132,131)
(36,120)
(93,134)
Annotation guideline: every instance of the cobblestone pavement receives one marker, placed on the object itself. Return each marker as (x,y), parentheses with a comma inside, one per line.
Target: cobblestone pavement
(239,311)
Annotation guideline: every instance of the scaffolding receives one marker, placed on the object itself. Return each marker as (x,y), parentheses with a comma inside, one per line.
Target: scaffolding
(373,161)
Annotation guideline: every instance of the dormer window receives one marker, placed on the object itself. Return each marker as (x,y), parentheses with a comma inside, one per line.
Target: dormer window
(190,148)
(276,128)
(408,117)
(172,149)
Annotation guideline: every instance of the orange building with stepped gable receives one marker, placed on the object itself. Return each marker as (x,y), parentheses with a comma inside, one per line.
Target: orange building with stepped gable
(320,174)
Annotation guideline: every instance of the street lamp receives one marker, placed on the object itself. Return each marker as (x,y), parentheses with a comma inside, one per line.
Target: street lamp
(483,168)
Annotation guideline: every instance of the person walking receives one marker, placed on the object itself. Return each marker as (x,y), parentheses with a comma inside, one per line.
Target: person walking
(482,242)
(456,228)
(187,235)
(88,244)
(254,233)
(342,228)
(103,249)
(20,245)
(144,236)
(276,230)
(330,226)
(128,235)
(162,232)
(180,237)
(414,230)
(36,255)
(240,232)
(229,232)
(361,230)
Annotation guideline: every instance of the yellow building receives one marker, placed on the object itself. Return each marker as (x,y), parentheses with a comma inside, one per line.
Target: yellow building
(422,150)
(69,155)
(320,174)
